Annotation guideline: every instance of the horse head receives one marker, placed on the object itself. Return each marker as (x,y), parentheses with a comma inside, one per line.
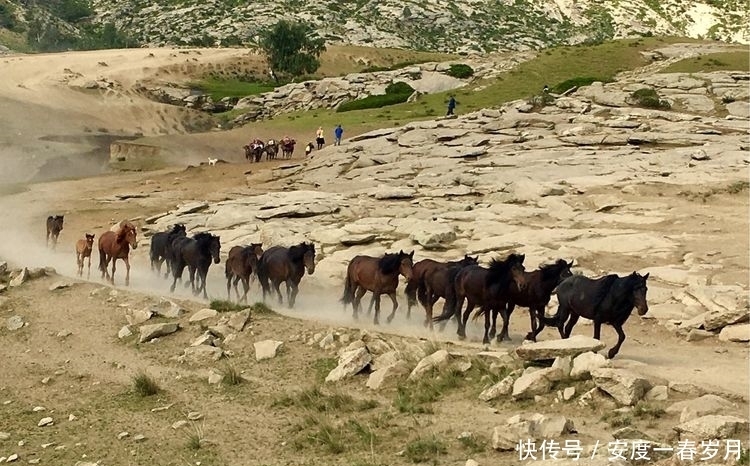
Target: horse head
(406,262)
(127,233)
(468,260)
(309,257)
(215,248)
(515,263)
(89,240)
(179,229)
(257,249)
(57,222)
(639,292)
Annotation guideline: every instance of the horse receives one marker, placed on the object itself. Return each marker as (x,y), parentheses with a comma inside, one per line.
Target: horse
(287,147)
(535,296)
(437,282)
(485,287)
(376,274)
(605,300)
(195,253)
(54,227)
(84,246)
(161,246)
(254,150)
(280,264)
(241,263)
(116,245)
(417,277)
(272,149)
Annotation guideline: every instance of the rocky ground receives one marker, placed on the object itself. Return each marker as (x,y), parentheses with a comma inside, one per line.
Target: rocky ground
(589,178)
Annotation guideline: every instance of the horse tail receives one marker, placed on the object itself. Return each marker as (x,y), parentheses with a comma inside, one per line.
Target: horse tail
(348,297)
(412,286)
(451,306)
(262,272)
(422,293)
(102,261)
(228,269)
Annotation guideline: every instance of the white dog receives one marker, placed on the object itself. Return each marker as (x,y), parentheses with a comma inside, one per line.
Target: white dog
(212,161)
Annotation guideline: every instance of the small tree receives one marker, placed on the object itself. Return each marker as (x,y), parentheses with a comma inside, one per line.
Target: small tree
(292,48)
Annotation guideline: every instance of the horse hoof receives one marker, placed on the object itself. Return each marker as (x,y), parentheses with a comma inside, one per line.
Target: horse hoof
(462,337)
(389,320)
(611,354)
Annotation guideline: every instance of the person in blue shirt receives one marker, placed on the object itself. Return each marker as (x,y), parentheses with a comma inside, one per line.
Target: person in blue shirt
(338,132)
(451,105)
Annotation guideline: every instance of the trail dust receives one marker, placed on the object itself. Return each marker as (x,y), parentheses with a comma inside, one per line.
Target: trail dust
(649,347)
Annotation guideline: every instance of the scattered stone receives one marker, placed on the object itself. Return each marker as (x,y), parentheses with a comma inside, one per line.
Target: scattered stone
(584,363)
(4,436)
(350,364)
(657,393)
(713,427)
(14,323)
(266,349)
(12,458)
(139,438)
(569,393)
(138,317)
(551,349)
(501,388)
(45,421)
(203,314)
(629,432)
(36,409)
(624,386)
(72,417)
(214,378)
(471,462)
(437,359)
(46,380)
(181,423)
(738,333)
(168,309)
(238,320)
(535,383)
(702,406)
(201,353)
(20,278)
(122,435)
(697,334)
(686,388)
(563,363)
(194,415)
(149,332)
(124,332)
(387,376)
(60,285)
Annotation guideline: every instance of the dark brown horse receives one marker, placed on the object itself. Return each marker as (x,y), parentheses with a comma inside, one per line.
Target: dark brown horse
(196,254)
(606,300)
(376,274)
(487,288)
(437,282)
(417,276)
(242,264)
(272,149)
(116,245)
(535,296)
(279,264)
(54,227)
(254,151)
(84,246)
(287,147)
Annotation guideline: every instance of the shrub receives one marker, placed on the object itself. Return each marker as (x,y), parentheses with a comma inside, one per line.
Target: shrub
(395,93)
(648,98)
(460,71)
(144,385)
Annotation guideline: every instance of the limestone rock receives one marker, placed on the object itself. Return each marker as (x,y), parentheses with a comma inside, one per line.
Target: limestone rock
(713,427)
(503,387)
(149,332)
(537,382)
(203,314)
(266,349)
(551,349)
(388,375)
(624,386)
(350,364)
(737,333)
(437,359)
(584,363)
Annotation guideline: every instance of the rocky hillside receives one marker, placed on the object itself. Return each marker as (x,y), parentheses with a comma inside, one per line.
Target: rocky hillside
(480,25)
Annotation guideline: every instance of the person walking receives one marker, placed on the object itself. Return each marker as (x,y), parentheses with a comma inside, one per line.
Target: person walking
(451,105)
(338,132)
(319,137)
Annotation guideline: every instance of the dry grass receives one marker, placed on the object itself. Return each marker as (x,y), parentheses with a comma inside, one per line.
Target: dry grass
(144,385)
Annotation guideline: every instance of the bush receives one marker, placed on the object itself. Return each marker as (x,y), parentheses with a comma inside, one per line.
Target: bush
(460,71)
(648,98)
(578,81)
(395,93)
(7,16)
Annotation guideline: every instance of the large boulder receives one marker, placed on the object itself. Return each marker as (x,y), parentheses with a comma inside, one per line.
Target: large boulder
(437,359)
(624,386)
(738,333)
(584,363)
(552,349)
(538,382)
(350,364)
(149,332)
(702,406)
(713,427)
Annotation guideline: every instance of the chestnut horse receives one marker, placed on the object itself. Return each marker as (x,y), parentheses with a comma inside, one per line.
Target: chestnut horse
(376,274)
(437,282)
(113,246)
(279,264)
(54,227)
(84,246)
(287,148)
(242,264)
(418,272)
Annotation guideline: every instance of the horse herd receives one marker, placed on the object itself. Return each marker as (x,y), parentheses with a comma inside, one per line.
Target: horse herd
(256,148)
(494,290)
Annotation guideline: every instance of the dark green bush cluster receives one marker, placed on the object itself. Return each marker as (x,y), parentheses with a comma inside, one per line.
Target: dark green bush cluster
(460,71)
(648,98)
(395,93)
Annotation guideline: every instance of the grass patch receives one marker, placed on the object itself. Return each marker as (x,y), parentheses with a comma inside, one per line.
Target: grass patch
(648,98)
(395,93)
(578,81)
(460,71)
(196,438)
(738,187)
(144,385)
(617,420)
(261,308)
(414,397)
(744,459)
(333,437)
(231,376)
(323,367)
(646,411)
(220,88)
(314,399)
(722,61)
(423,450)
(473,443)
(221,305)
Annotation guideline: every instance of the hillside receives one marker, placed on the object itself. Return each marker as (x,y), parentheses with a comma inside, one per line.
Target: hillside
(435,25)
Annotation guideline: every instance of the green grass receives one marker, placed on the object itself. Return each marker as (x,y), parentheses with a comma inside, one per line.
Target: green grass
(323,367)
(231,376)
(648,98)
(314,399)
(578,81)
(144,385)
(220,88)
(722,61)
(423,450)
(554,66)
(221,305)
(415,397)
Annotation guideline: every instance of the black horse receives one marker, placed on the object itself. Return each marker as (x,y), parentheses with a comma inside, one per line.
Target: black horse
(280,264)
(422,268)
(606,300)
(161,246)
(535,296)
(195,253)
(54,227)
(487,288)
(436,282)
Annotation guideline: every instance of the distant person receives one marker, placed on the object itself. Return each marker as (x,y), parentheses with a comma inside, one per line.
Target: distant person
(451,106)
(319,137)
(546,89)
(309,148)
(338,132)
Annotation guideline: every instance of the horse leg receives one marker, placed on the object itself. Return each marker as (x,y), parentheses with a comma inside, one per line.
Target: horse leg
(112,277)
(395,306)
(203,275)
(376,299)
(620,338)
(506,322)
(79,263)
(571,323)
(246,288)
(487,317)
(277,286)
(357,300)
(88,271)
(493,324)
(597,330)
(229,288)
(462,327)
(295,290)
(127,270)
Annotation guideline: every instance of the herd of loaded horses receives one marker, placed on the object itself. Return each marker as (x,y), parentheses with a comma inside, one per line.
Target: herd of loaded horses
(492,291)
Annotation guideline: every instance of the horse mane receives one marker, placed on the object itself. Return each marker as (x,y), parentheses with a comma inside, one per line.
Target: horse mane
(203,238)
(124,227)
(604,288)
(551,271)
(499,270)
(297,252)
(389,263)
